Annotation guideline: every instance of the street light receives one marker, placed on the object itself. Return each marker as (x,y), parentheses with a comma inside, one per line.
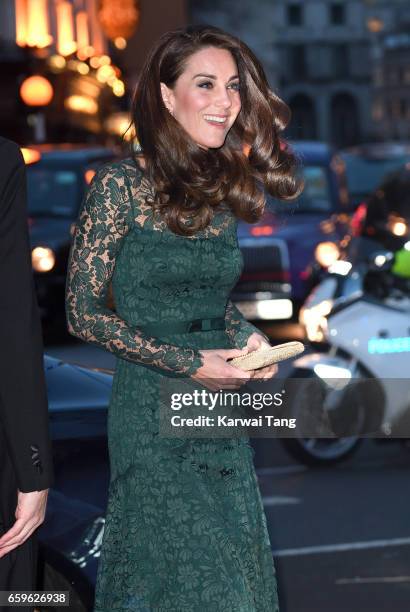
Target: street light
(36,91)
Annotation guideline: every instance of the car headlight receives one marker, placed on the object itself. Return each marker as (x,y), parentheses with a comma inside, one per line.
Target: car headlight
(314,320)
(326,253)
(42,259)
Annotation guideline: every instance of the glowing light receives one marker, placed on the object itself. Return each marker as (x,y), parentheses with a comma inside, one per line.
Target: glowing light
(83,68)
(65,41)
(30,156)
(81,21)
(105,60)
(118,88)
(81,104)
(399,228)
(89,175)
(87,51)
(266,309)
(120,43)
(94,62)
(36,91)
(118,18)
(340,267)
(42,259)
(375,25)
(262,230)
(104,73)
(380,260)
(326,253)
(57,63)
(21,23)
(77,66)
(118,124)
(37,34)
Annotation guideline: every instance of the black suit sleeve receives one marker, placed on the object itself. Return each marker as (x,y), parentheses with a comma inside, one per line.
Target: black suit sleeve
(23,396)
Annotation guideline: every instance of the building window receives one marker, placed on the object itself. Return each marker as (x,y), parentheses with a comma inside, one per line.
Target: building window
(295,14)
(402,108)
(297,63)
(341,60)
(337,13)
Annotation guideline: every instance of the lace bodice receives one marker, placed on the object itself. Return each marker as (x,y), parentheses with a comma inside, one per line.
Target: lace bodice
(152,271)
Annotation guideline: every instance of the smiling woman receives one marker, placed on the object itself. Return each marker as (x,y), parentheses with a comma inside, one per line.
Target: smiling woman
(185,527)
(201,101)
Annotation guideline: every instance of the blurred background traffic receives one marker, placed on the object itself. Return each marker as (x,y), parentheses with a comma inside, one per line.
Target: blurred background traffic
(331,269)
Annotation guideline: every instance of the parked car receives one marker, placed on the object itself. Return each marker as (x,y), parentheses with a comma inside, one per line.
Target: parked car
(278,249)
(368,164)
(57,176)
(70,537)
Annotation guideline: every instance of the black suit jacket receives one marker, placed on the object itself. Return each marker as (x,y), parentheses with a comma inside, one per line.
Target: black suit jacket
(23,398)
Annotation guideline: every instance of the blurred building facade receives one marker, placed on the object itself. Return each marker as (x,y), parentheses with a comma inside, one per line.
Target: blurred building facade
(321,56)
(89,51)
(391,107)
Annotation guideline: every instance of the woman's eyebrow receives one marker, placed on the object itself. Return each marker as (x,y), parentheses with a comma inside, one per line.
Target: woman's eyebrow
(212,76)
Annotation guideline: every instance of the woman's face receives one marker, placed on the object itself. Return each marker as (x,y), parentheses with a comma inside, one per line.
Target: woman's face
(205,99)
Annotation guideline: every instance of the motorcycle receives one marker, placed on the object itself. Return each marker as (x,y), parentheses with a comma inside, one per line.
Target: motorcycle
(357,379)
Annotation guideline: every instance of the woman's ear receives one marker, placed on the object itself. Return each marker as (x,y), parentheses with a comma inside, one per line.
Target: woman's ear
(166,97)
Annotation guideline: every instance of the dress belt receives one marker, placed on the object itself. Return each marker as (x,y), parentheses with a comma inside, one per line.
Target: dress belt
(181,327)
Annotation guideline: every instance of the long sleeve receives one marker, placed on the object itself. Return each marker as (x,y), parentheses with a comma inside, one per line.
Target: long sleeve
(106,216)
(23,395)
(238,328)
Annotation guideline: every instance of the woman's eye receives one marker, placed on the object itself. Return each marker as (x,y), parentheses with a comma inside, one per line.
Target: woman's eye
(235,86)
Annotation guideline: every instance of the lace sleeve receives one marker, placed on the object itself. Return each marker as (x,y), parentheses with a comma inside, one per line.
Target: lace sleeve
(105,218)
(238,328)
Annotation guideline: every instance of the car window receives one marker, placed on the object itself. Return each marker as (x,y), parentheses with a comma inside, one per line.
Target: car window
(52,192)
(315,196)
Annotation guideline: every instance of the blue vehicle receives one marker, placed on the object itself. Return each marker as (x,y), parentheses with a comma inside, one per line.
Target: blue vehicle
(280,247)
(57,177)
(70,538)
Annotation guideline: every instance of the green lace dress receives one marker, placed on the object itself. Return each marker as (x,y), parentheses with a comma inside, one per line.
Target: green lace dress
(185,525)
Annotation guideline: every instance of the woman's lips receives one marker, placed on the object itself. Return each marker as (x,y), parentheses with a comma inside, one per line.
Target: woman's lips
(217,124)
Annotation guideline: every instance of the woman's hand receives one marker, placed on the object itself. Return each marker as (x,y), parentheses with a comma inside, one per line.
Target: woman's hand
(256,342)
(217,374)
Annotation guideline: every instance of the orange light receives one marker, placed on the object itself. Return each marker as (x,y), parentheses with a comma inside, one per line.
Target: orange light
(120,43)
(81,21)
(30,156)
(65,43)
(36,91)
(37,24)
(118,19)
(21,23)
(262,230)
(81,104)
(89,175)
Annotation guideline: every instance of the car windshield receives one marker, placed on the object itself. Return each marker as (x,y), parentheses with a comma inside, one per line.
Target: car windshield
(364,175)
(52,192)
(315,197)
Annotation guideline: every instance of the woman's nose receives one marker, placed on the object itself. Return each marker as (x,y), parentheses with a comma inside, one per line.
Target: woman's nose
(223,98)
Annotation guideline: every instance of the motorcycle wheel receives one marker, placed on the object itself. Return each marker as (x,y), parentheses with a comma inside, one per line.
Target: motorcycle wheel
(323,451)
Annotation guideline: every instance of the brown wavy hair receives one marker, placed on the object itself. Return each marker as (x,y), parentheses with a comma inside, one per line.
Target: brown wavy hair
(190,181)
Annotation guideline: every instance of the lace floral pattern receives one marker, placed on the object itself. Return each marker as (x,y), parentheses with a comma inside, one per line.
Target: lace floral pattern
(185,527)
(105,218)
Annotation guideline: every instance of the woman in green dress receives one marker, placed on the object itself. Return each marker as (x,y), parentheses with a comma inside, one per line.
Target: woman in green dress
(185,526)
